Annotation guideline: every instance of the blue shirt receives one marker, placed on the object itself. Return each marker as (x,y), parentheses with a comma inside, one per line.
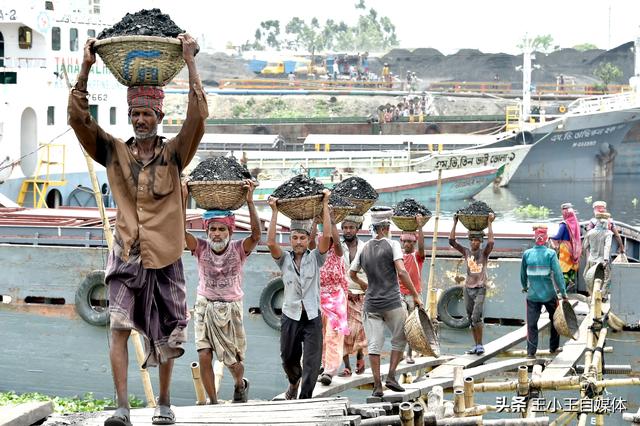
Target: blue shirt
(301,286)
(539,268)
(563,233)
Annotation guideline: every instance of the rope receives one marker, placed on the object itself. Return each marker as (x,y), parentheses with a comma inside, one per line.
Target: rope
(16,162)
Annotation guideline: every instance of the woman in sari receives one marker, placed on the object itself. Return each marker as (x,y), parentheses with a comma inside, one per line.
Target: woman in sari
(568,244)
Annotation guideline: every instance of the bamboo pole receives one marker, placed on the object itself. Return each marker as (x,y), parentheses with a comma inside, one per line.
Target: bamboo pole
(564,418)
(406,414)
(201,398)
(582,420)
(434,240)
(523,381)
(433,303)
(418,413)
(476,410)
(536,374)
(468,392)
(108,236)
(516,353)
(458,403)
(458,378)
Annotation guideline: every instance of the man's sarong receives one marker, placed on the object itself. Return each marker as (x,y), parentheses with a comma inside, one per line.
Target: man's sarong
(219,327)
(151,301)
(356,340)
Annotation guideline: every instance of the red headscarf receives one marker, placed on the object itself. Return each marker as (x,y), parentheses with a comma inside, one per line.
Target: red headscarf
(145,96)
(571,220)
(229,221)
(540,235)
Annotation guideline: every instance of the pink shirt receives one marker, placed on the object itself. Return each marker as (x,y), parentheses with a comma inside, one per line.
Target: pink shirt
(220,274)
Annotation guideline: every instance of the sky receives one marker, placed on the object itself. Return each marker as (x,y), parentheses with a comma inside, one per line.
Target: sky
(488,25)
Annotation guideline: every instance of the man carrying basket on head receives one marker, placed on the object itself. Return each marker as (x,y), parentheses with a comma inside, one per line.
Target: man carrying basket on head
(144,273)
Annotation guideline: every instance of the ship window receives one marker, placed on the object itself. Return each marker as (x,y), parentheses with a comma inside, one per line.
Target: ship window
(73,39)
(45,300)
(48,5)
(24,37)
(5,298)
(8,78)
(55,38)
(112,116)
(91,33)
(51,116)
(93,110)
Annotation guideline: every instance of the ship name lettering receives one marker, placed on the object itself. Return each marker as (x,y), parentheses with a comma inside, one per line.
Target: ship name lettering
(9,15)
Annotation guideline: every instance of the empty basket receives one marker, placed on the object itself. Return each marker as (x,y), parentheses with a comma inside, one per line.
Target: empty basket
(408,223)
(142,60)
(474,222)
(420,333)
(362,205)
(565,321)
(219,195)
(301,208)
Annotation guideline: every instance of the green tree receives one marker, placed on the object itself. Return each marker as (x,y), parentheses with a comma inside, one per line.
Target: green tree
(607,72)
(585,46)
(540,43)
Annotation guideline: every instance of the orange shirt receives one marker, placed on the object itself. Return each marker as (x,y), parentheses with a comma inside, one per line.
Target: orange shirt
(150,218)
(413,264)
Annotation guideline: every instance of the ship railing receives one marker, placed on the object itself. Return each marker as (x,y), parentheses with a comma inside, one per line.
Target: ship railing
(603,103)
(23,62)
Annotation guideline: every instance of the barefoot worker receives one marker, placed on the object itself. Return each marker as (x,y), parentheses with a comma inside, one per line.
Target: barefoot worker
(301,326)
(144,274)
(381,260)
(218,311)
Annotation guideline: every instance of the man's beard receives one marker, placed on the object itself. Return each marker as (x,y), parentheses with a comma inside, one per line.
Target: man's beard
(348,238)
(146,135)
(218,246)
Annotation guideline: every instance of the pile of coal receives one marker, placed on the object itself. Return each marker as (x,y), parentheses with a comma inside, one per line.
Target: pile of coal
(410,208)
(299,186)
(338,201)
(219,168)
(147,22)
(355,187)
(476,208)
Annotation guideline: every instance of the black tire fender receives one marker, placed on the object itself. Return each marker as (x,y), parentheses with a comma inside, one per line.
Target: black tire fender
(452,295)
(93,280)
(267,299)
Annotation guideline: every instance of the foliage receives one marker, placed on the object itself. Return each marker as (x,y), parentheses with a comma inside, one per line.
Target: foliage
(75,404)
(585,46)
(540,43)
(370,32)
(607,72)
(531,212)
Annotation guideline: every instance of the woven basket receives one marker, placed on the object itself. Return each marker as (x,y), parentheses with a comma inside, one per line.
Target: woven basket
(421,334)
(337,213)
(409,223)
(141,60)
(565,321)
(474,222)
(302,208)
(362,205)
(219,195)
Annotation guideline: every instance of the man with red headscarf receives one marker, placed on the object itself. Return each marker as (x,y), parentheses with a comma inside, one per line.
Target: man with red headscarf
(569,245)
(600,207)
(144,274)
(538,271)
(218,311)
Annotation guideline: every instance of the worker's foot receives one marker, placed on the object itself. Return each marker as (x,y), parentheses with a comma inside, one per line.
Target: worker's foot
(472,351)
(393,385)
(325,379)
(409,360)
(529,356)
(479,349)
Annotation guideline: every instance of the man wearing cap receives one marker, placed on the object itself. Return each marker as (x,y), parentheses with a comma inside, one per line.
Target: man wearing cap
(218,311)
(597,245)
(301,324)
(144,274)
(356,341)
(413,262)
(381,260)
(601,207)
(539,269)
(475,283)
(569,244)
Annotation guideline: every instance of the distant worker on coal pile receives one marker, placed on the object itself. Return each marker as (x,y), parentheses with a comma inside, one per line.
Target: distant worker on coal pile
(539,270)
(301,324)
(356,341)
(413,262)
(386,75)
(601,207)
(475,283)
(381,260)
(569,245)
(218,311)
(144,273)
(597,246)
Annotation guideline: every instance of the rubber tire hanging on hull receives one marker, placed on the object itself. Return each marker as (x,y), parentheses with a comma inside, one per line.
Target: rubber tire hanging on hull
(269,294)
(452,294)
(83,300)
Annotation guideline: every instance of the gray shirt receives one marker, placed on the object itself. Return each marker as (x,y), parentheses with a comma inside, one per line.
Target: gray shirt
(303,286)
(377,259)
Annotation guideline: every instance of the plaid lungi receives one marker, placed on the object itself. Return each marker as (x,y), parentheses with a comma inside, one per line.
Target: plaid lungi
(151,301)
(356,340)
(219,327)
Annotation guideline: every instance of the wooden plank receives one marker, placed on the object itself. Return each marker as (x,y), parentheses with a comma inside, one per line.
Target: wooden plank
(572,351)
(25,414)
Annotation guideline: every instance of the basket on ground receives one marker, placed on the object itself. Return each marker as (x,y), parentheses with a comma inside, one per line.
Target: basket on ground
(421,334)
(565,321)
(362,204)
(474,222)
(218,194)
(141,60)
(409,223)
(301,208)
